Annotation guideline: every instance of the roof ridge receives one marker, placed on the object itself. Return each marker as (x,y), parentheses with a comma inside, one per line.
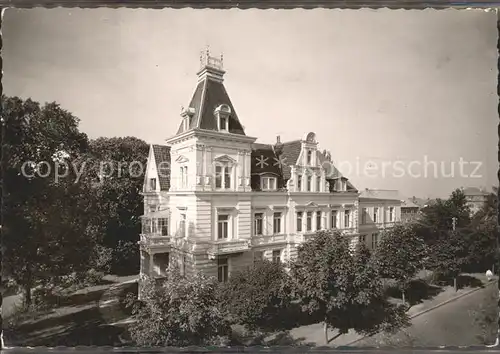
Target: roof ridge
(202,97)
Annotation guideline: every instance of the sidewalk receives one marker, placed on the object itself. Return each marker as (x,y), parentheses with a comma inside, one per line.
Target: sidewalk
(314,334)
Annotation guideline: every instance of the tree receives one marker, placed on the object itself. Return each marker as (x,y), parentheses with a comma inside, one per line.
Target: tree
(445,227)
(443,215)
(400,254)
(45,220)
(259,297)
(483,236)
(342,287)
(448,255)
(118,165)
(177,311)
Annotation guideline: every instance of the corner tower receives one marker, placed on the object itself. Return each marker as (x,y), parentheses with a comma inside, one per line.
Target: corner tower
(210,151)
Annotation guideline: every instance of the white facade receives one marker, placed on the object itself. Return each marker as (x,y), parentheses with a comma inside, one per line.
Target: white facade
(219,207)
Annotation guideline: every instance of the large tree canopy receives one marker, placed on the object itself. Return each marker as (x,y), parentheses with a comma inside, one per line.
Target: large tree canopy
(341,287)
(400,254)
(46,213)
(177,311)
(119,164)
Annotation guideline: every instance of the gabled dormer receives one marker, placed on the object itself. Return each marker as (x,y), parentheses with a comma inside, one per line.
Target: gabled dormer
(309,147)
(157,176)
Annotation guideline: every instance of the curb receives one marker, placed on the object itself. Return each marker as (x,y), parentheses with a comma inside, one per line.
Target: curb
(453,299)
(433,308)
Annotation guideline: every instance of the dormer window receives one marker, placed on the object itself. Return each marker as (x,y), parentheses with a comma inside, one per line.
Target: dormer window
(309,157)
(222,114)
(152,184)
(268,183)
(309,183)
(223,123)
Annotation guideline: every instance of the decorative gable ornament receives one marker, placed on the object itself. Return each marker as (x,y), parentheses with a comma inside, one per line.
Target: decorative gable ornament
(182,159)
(225,159)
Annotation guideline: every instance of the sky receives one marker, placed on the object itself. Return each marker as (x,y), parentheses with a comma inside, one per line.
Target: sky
(403,99)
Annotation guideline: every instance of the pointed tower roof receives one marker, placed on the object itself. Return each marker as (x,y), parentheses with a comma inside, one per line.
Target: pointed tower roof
(210,95)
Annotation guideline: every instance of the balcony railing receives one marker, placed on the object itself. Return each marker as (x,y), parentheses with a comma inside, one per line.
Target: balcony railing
(224,247)
(349,230)
(155,240)
(269,239)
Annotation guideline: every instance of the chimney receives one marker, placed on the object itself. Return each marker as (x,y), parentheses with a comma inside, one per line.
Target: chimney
(211,67)
(278,147)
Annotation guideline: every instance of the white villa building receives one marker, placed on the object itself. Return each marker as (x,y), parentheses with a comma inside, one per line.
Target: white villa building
(215,200)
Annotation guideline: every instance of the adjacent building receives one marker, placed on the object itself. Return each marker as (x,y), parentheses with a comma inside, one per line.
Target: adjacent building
(476,198)
(410,209)
(215,200)
(379,209)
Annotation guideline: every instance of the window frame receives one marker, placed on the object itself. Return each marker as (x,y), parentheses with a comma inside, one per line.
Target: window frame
(309,183)
(347,217)
(277,219)
(375,215)
(259,216)
(334,214)
(319,219)
(152,184)
(163,224)
(276,259)
(299,219)
(223,263)
(224,176)
(223,222)
(364,214)
(268,179)
(224,119)
(309,217)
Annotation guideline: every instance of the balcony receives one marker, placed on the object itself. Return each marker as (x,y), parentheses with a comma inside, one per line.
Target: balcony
(269,239)
(349,231)
(225,247)
(155,241)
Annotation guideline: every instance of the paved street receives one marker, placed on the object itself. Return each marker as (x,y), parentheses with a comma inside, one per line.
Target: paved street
(454,324)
